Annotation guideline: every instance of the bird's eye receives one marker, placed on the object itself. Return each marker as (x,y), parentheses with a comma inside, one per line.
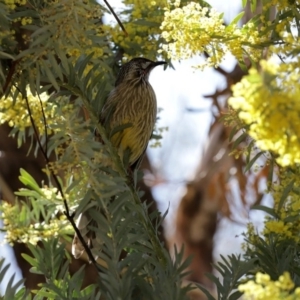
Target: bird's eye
(140,72)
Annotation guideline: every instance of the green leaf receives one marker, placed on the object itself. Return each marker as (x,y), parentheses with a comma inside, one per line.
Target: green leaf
(271,172)
(119,128)
(6,55)
(3,270)
(236,19)
(41,40)
(252,161)
(24,13)
(42,30)
(204,3)
(27,52)
(49,74)
(87,78)
(291,219)
(249,151)
(23,294)
(236,295)
(243,66)
(100,97)
(32,261)
(239,140)
(285,194)
(62,56)
(233,132)
(266,209)
(29,181)
(28,193)
(156,136)
(55,65)
(144,22)
(81,64)
(10,290)
(244,3)
(206,292)
(253,5)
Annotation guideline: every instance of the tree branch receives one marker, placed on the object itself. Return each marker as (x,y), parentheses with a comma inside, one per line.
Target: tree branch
(116,17)
(69,216)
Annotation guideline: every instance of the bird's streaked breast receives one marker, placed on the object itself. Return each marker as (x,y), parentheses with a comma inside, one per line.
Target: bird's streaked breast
(135,104)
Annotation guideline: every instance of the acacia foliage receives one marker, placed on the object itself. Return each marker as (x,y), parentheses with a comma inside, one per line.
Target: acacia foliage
(57,65)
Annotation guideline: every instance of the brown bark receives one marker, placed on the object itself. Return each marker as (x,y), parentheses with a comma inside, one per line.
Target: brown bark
(208,194)
(196,219)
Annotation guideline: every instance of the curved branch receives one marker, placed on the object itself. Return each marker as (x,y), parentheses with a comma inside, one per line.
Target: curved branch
(69,216)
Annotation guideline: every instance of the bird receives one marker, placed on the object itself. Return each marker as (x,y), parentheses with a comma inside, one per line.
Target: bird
(128,116)
(131,102)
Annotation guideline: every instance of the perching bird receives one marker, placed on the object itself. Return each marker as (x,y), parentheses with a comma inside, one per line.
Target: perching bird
(131,104)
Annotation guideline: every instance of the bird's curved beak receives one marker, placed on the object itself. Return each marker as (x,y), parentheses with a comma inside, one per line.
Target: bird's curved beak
(157,63)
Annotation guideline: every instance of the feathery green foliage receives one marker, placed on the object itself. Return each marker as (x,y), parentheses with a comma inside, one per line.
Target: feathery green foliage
(57,65)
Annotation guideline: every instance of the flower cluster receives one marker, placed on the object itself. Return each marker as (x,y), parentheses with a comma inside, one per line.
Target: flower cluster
(74,30)
(78,29)
(283,7)
(12,4)
(289,71)
(264,288)
(189,30)
(271,112)
(286,205)
(21,222)
(141,21)
(15,112)
(192,29)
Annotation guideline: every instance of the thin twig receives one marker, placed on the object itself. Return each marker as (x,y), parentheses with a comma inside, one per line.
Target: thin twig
(116,17)
(10,75)
(45,124)
(69,216)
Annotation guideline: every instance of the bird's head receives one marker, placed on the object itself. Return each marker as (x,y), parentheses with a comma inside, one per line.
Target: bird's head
(137,69)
